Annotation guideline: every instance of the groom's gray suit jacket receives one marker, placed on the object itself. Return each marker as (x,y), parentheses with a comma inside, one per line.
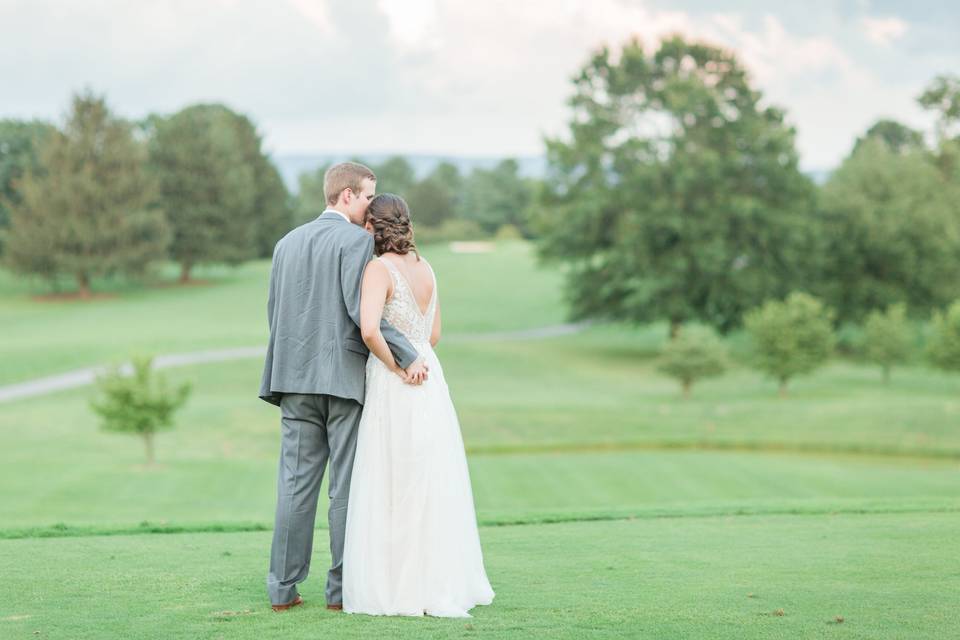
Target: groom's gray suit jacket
(313,310)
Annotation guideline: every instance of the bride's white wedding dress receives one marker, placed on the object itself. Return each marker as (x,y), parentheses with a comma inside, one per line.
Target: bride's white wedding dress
(412,546)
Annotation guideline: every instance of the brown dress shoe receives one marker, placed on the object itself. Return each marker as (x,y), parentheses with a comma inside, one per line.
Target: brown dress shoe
(284,607)
(335,607)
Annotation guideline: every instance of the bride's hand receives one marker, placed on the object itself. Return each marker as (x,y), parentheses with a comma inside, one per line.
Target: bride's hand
(416,373)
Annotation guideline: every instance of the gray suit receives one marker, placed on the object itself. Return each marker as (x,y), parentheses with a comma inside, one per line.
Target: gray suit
(315,372)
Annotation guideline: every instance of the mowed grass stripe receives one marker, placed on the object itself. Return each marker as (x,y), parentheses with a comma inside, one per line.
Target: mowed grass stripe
(109,491)
(884,576)
(708,511)
(719,445)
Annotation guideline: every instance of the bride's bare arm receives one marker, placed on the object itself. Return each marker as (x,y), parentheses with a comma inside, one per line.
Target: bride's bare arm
(375,289)
(435,333)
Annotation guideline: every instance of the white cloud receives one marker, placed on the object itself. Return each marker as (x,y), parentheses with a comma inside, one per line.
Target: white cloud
(483,77)
(774,53)
(883,31)
(316,12)
(413,23)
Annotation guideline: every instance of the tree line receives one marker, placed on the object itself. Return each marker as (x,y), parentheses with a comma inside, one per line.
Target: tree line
(101,195)
(675,194)
(445,204)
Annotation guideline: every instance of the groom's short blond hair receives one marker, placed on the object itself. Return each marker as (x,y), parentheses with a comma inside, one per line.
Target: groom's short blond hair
(346,175)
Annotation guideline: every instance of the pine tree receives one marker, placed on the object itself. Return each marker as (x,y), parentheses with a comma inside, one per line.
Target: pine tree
(87,211)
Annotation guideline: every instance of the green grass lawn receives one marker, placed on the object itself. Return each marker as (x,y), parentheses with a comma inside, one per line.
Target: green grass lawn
(886,575)
(570,430)
(610,507)
(229,310)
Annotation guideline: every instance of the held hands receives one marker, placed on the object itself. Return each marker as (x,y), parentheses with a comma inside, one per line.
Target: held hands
(416,373)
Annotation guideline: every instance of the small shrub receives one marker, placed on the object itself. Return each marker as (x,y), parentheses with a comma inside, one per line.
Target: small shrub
(887,338)
(695,353)
(943,351)
(140,403)
(790,337)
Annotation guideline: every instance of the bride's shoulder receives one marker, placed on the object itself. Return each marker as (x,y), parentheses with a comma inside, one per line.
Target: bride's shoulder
(423,260)
(377,268)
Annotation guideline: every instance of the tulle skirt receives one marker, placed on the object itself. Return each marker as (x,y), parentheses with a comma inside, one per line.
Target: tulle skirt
(412,545)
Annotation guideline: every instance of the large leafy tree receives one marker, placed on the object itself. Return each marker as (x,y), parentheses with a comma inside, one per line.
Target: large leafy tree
(891,233)
(86,211)
(206,160)
(273,206)
(942,97)
(20,141)
(676,194)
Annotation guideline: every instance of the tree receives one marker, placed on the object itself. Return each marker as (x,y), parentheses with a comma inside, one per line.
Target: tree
(434,199)
(140,404)
(790,337)
(310,201)
(898,137)
(891,233)
(430,203)
(205,158)
(273,207)
(944,348)
(395,175)
(498,196)
(87,211)
(942,97)
(19,144)
(449,174)
(695,353)
(675,195)
(888,338)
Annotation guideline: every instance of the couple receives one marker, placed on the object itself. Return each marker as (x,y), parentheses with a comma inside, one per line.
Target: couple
(351,365)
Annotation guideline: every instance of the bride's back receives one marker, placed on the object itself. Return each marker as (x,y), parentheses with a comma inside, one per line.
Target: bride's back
(418,275)
(412,304)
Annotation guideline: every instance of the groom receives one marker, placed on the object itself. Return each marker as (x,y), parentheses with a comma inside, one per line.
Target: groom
(315,372)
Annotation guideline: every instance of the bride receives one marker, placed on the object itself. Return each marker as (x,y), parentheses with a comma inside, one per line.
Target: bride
(412,546)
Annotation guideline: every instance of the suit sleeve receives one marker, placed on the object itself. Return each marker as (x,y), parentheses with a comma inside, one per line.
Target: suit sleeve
(272,295)
(353,262)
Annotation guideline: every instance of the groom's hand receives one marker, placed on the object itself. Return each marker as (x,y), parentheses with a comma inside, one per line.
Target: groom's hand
(416,373)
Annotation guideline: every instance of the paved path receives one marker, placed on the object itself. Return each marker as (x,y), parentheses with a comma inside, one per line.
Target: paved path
(83,377)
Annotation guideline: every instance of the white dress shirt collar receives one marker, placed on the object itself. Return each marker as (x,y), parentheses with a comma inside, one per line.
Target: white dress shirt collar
(339,213)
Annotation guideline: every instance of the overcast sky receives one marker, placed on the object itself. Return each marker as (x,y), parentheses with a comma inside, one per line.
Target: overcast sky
(464,77)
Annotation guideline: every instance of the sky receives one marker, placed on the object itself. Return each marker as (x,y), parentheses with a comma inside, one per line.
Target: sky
(460,77)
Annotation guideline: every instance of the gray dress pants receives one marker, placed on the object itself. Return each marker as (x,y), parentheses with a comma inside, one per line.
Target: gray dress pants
(315,428)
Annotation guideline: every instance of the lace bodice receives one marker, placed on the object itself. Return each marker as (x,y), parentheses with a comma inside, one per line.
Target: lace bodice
(402,310)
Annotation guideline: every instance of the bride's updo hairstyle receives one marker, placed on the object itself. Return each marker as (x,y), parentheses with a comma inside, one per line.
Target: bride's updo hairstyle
(389,216)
